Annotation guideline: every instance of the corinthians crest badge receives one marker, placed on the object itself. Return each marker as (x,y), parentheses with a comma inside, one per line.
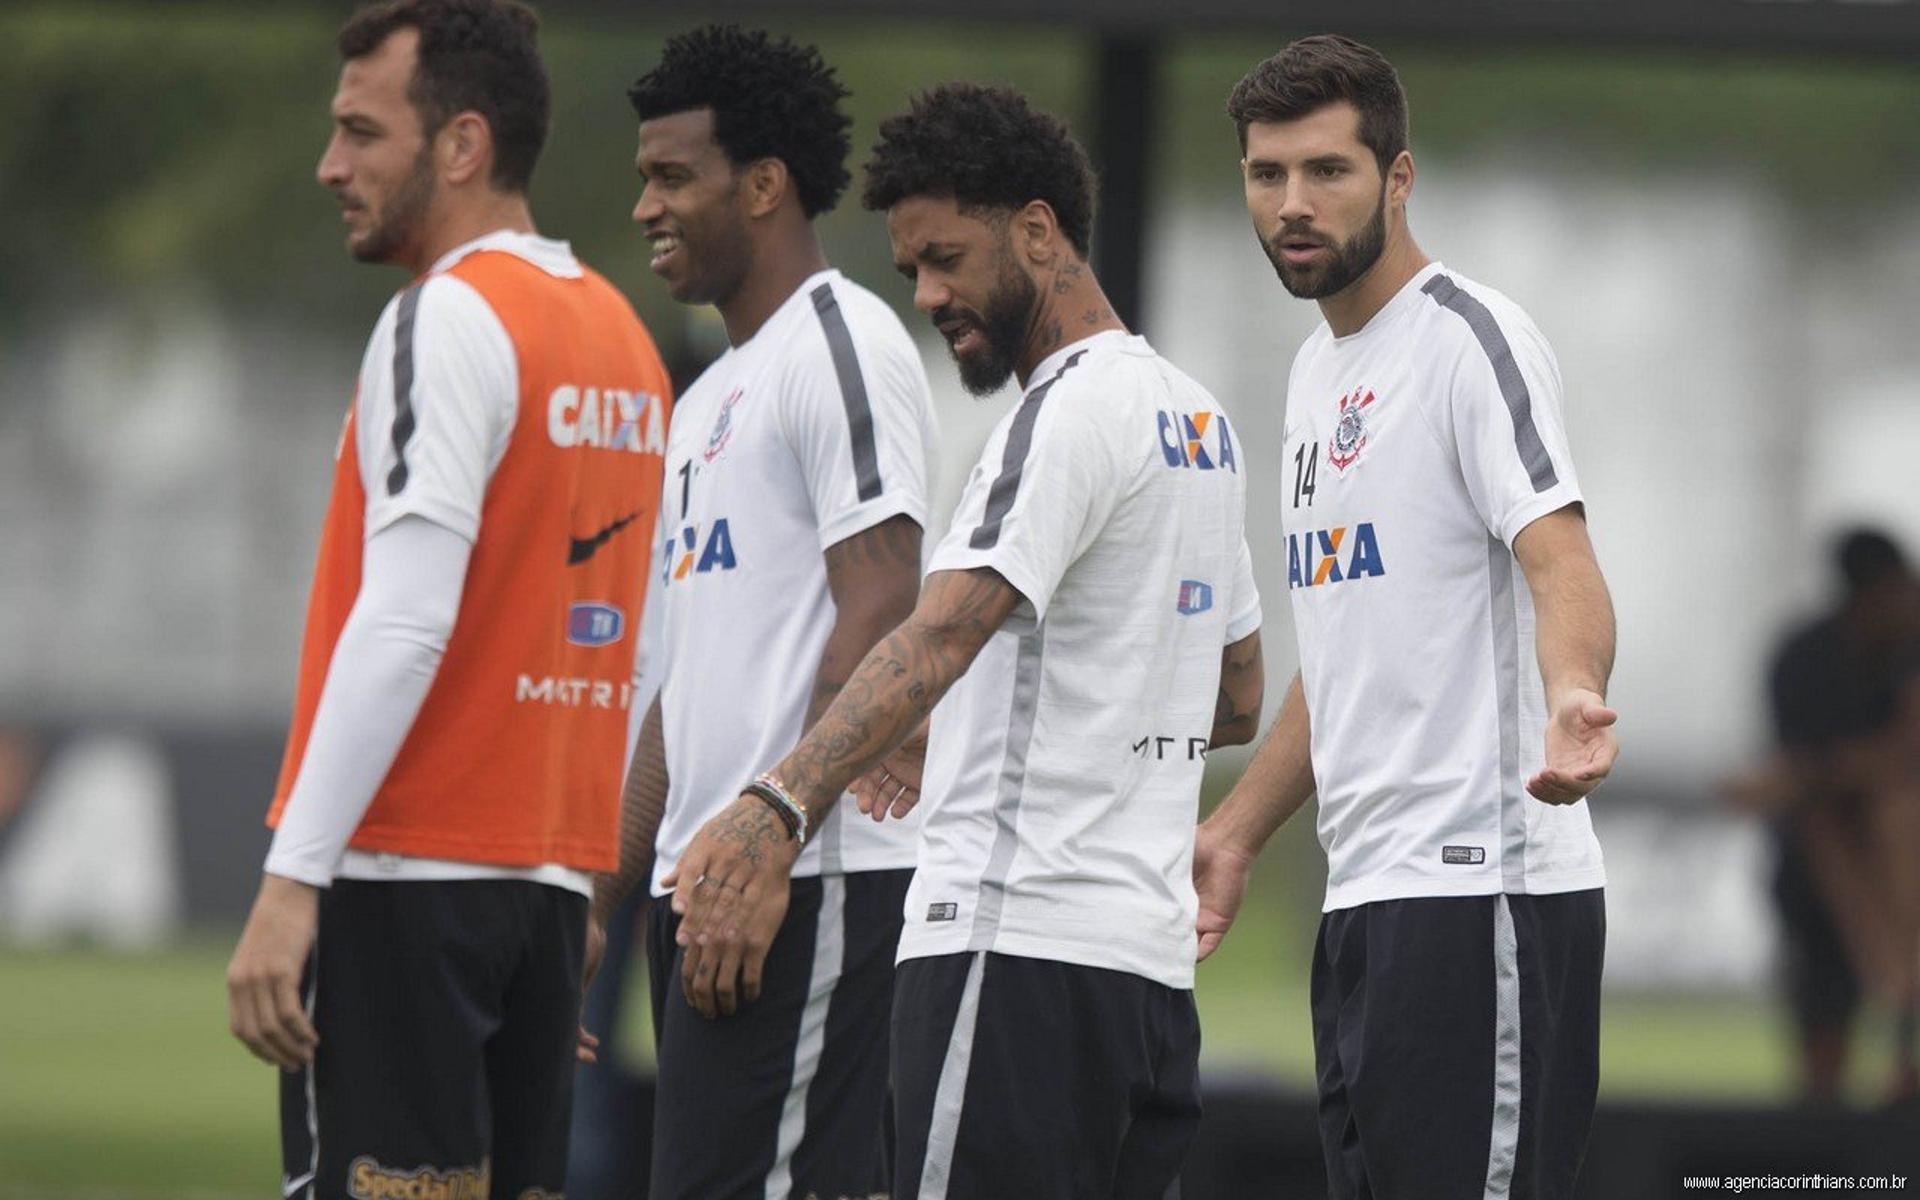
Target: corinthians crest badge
(1350,435)
(722,427)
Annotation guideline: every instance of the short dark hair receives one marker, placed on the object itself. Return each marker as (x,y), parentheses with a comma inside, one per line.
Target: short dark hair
(770,98)
(475,55)
(1867,556)
(1321,70)
(985,148)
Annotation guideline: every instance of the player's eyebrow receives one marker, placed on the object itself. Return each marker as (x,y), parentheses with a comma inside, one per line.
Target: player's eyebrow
(358,122)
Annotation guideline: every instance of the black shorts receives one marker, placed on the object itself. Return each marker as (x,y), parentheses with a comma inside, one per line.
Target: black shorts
(1023,1077)
(788,1096)
(447,1015)
(1457,1041)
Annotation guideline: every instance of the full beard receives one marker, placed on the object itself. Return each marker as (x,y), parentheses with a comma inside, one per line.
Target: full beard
(398,225)
(1003,330)
(1346,261)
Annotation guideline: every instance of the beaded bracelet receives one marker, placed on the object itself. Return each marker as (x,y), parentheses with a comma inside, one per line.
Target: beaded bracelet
(770,789)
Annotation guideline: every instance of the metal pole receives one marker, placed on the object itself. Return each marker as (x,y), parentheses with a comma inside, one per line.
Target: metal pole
(1125,75)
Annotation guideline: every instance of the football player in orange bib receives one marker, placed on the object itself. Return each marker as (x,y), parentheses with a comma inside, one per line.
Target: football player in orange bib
(413,960)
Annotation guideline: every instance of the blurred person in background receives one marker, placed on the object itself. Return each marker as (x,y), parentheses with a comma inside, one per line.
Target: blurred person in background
(1456,639)
(1093,611)
(797,479)
(413,960)
(1843,796)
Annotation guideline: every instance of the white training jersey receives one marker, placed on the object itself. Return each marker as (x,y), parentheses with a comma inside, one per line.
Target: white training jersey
(1063,779)
(816,428)
(1416,449)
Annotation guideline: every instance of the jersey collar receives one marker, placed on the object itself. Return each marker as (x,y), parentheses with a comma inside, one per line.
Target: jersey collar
(1407,297)
(554,257)
(1050,365)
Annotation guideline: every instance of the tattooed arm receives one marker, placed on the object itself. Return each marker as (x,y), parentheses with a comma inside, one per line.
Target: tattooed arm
(1243,687)
(874,577)
(897,685)
(642,801)
(731,886)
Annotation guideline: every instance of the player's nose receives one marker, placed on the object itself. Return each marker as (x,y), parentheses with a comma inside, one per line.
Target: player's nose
(1294,203)
(930,295)
(648,207)
(331,171)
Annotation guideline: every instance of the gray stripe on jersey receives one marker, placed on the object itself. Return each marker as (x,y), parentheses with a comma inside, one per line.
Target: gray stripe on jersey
(853,390)
(829,952)
(1013,459)
(943,1132)
(402,387)
(1504,1146)
(1013,780)
(1513,386)
(1506,685)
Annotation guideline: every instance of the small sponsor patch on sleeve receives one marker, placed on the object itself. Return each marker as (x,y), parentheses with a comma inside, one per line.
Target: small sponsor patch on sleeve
(945,911)
(1470,856)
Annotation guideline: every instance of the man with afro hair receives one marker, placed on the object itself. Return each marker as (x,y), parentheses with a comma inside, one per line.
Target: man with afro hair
(1092,624)
(791,523)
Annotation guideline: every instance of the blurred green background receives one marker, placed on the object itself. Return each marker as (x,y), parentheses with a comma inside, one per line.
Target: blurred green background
(150,152)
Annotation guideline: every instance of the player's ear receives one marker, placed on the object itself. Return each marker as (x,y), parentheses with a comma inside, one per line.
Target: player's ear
(765,184)
(464,147)
(1035,231)
(1400,178)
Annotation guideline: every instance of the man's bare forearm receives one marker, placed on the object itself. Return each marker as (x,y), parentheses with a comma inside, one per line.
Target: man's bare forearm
(1575,639)
(642,801)
(1573,614)
(1276,783)
(896,685)
(1236,713)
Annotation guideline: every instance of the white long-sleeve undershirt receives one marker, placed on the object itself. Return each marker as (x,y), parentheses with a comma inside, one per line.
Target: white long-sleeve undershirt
(411,577)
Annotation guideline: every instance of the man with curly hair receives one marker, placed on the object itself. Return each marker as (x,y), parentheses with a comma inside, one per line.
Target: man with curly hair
(1092,624)
(791,524)
(413,960)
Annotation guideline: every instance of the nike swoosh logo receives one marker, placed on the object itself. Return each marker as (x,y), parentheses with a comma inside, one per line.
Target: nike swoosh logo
(289,1186)
(580,550)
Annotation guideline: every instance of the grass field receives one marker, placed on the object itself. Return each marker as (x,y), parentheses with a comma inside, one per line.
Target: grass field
(118,1079)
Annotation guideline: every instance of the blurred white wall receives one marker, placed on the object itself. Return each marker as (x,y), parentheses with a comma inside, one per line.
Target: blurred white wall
(1742,376)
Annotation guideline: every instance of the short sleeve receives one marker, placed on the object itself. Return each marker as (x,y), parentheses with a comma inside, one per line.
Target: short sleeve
(1046,484)
(1243,616)
(1504,410)
(438,395)
(858,413)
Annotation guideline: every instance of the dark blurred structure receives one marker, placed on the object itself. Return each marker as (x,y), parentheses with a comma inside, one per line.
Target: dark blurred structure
(1843,797)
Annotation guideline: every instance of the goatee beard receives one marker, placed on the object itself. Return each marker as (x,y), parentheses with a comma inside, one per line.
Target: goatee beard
(1346,261)
(1003,328)
(401,216)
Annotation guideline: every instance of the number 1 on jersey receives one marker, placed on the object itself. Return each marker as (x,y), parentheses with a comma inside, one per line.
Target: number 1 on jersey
(1304,464)
(686,486)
